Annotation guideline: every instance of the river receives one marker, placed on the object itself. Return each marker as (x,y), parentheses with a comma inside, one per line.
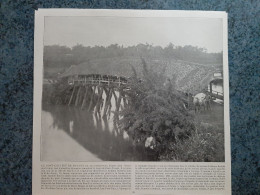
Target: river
(73,134)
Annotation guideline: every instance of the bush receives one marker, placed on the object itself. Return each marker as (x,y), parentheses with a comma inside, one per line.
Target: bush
(156,110)
(203,145)
(58,93)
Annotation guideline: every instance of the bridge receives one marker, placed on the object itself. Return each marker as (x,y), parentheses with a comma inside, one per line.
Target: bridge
(97,79)
(94,92)
(95,89)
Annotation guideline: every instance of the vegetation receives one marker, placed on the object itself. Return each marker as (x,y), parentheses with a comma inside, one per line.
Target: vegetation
(59,58)
(204,144)
(57,93)
(156,110)
(155,103)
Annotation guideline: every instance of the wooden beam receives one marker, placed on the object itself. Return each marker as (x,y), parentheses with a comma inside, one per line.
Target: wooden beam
(71,97)
(106,91)
(108,99)
(77,97)
(81,95)
(66,95)
(116,116)
(85,97)
(94,102)
(92,97)
(113,91)
(124,99)
(100,93)
(110,105)
(119,101)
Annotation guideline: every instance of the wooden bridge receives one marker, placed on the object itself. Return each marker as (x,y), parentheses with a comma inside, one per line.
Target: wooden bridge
(94,92)
(97,79)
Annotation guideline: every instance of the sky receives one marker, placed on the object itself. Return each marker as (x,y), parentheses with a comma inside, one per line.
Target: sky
(128,31)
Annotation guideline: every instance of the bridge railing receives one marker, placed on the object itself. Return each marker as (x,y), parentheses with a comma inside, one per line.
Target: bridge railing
(98,81)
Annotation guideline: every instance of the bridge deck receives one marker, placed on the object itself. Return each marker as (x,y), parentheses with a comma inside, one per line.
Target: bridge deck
(107,80)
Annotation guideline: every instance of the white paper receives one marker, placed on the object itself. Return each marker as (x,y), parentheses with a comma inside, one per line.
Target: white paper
(76,147)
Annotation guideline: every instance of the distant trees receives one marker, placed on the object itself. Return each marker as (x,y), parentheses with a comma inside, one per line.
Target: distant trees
(61,57)
(54,55)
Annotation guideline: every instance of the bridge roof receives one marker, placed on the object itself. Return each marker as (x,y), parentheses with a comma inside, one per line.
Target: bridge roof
(109,68)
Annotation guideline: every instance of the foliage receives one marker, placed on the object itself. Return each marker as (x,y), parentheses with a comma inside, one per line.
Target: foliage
(58,58)
(57,93)
(156,109)
(204,144)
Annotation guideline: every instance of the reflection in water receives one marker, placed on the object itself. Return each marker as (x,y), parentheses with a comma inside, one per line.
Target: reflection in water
(95,134)
(71,127)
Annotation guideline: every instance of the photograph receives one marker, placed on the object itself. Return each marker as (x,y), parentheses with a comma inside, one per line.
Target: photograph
(132,88)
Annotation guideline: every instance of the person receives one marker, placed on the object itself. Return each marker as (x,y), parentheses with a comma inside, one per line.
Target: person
(208,101)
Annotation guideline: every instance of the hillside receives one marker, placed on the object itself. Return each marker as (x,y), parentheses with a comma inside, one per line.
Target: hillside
(189,76)
(191,67)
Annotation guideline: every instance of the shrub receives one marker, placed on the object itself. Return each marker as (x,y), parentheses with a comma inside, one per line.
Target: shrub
(156,109)
(203,145)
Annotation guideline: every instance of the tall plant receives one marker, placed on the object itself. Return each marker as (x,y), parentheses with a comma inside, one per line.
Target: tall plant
(155,110)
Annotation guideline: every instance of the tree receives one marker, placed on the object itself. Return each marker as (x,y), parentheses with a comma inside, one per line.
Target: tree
(156,111)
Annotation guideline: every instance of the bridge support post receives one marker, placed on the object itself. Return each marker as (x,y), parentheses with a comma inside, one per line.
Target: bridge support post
(71,97)
(113,92)
(99,101)
(92,97)
(84,98)
(124,99)
(110,105)
(108,99)
(78,96)
(118,103)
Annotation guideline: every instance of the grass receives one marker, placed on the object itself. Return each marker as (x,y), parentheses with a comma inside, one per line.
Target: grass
(206,143)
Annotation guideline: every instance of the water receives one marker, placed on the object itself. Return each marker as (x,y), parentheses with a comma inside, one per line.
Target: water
(96,134)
